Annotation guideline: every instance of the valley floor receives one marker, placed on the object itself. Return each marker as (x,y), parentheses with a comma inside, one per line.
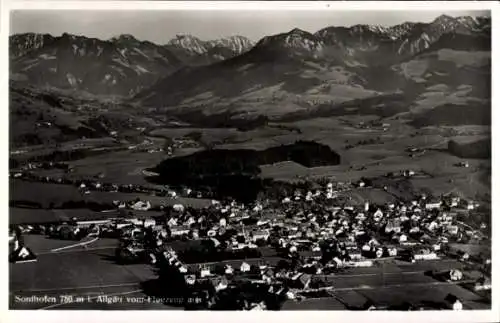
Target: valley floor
(90,278)
(86,274)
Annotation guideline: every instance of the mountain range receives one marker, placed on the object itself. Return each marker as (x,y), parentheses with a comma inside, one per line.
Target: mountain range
(295,74)
(121,65)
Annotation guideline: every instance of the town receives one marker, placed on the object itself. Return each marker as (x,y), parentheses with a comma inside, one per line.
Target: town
(309,245)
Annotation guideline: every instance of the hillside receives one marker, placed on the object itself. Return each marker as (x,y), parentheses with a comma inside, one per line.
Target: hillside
(120,66)
(45,117)
(475,149)
(299,74)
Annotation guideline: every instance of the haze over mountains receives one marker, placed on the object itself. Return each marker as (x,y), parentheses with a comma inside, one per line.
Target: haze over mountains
(410,70)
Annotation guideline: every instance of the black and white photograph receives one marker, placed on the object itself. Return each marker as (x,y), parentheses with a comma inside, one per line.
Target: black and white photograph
(250,160)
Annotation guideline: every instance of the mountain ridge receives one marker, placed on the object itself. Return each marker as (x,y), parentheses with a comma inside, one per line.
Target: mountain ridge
(289,72)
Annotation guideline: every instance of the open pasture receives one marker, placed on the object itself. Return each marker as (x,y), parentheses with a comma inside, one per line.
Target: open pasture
(124,167)
(55,194)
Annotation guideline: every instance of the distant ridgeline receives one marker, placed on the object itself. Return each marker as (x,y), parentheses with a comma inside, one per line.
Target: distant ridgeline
(235,172)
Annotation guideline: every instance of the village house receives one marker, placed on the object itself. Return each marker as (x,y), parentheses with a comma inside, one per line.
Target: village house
(433,204)
(425,254)
(141,206)
(179,230)
(260,235)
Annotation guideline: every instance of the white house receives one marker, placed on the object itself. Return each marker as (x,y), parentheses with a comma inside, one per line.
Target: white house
(426,256)
(149,223)
(229,270)
(456,275)
(179,230)
(393,252)
(433,205)
(365,263)
(262,222)
(316,248)
(222,284)
(432,226)
(245,267)
(483,284)
(361,216)
(457,306)
(205,272)
(141,206)
(261,234)
(190,221)
(258,208)
(178,207)
(470,206)
(378,214)
(190,279)
(452,229)
(355,255)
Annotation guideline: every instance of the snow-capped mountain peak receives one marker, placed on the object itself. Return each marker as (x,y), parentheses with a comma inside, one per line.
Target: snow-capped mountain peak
(21,44)
(443,19)
(189,43)
(296,39)
(238,44)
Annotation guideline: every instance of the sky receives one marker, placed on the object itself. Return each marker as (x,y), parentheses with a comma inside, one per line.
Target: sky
(161,26)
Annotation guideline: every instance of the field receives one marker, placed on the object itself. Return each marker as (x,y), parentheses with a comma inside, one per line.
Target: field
(121,167)
(373,151)
(77,273)
(47,194)
(388,155)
